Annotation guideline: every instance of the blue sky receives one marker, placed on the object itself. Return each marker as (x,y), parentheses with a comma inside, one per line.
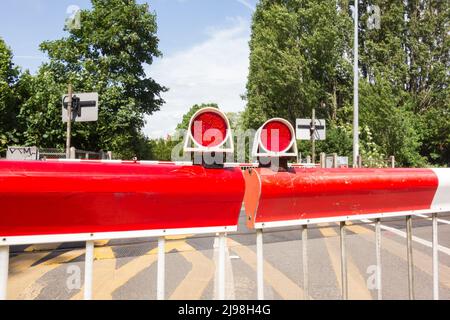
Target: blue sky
(204,45)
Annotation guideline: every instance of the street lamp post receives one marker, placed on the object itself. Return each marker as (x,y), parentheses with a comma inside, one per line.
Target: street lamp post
(355,89)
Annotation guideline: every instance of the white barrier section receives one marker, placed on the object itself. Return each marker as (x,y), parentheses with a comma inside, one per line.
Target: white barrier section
(441,201)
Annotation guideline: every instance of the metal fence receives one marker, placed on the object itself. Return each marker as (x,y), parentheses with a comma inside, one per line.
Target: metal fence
(54,153)
(51,153)
(220,263)
(343,255)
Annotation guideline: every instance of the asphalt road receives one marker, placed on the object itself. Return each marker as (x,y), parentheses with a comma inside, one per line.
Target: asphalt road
(126,269)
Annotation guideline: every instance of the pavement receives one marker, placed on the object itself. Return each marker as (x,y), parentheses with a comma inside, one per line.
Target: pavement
(126,269)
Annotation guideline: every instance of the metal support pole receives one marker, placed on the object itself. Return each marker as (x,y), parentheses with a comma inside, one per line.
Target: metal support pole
(378,254)
(410,257)
(259,264)
(313,136)
(305,261)
(435,258)
(88,270)
(69,120)
(355,88)
(160,281)
(343,262)
(221,276)
(4,265)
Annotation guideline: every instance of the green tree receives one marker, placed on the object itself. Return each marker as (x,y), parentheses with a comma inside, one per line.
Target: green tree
(8,98)
(301,57)
(184,124)
(107,54)
(297,60)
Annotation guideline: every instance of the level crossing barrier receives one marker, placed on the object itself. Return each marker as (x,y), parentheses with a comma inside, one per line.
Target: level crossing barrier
(87,200)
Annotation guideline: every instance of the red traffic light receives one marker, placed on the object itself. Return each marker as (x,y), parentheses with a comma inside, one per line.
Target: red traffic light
(209,131)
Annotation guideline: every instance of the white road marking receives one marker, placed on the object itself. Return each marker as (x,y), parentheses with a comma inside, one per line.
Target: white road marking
(414,238)
(428,218)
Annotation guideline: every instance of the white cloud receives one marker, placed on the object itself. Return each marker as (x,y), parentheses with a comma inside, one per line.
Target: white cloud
(213,71)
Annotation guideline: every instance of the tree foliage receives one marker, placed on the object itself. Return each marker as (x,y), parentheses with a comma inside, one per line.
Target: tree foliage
(106,54)
(8,97)
(301,57)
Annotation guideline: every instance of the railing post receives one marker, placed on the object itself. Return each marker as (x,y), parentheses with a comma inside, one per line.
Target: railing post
(378,254)
(335,160)
(305,258)
(343,262)
(72,153)
(392,161)
(4,265)
(410,257)
(259,264)
(88,269)
(435,258)
(160,281)
(221,273)
(323,160)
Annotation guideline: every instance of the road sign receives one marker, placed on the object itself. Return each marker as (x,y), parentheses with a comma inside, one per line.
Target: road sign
(22,153)
(303,129)
(84,107)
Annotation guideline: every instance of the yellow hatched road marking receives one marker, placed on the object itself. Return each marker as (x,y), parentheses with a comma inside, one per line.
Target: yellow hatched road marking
(101,243)
(24,261)
(196,281)
(179,237)
(356,283)
(359,229)
(326,230)
(284,286)
(42,247)
(26,285)
(103,253)
(107,279)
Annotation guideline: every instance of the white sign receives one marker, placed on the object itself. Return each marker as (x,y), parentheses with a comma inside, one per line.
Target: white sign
(84,107)
(342,162)
(303,129)
(22,153)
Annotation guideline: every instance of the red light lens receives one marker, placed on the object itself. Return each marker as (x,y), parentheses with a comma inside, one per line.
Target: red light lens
(209,129)
(279,132)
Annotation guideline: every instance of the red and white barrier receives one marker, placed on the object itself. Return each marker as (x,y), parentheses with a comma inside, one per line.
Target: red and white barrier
(307,195)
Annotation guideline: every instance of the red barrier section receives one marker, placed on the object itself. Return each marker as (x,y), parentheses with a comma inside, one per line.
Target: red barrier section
(310,193)
(41,198)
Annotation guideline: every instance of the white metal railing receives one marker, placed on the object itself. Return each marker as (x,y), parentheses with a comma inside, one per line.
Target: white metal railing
(160,283)
(89,264)
(343,256)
